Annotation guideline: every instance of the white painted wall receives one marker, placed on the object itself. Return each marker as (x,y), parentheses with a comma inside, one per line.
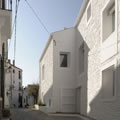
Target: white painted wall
(100,54)
(59,85)
(46,85)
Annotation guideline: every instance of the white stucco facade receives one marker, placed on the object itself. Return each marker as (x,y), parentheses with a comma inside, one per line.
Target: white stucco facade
(102,73)
(13,86)
(89,85)
(59,84)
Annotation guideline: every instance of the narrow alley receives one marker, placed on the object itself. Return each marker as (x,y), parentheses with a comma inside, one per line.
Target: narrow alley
(27,114)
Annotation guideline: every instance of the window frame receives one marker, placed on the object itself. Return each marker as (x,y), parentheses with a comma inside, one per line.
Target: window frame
(68,59)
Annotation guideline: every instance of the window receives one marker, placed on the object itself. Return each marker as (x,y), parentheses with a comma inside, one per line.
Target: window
(81,58)
(108,80)
(64,59)
(88,12)
(43,72)
(19,74)
(13,71)
(108,24)
(20,86)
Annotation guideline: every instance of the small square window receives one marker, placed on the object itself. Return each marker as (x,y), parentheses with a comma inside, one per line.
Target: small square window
(63,60)
(88,12)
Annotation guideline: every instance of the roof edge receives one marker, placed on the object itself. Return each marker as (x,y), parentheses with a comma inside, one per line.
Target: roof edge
(49,40)
(46,46)
(81,12)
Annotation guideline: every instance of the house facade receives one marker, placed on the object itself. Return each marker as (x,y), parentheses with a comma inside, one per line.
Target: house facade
(13,86)
(80,66)
(58,71)
(5,34)
(98,23)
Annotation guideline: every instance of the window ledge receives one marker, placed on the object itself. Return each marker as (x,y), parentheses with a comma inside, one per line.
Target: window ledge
(109,37)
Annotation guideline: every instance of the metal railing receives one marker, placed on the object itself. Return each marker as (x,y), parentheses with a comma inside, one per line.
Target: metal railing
(6,4)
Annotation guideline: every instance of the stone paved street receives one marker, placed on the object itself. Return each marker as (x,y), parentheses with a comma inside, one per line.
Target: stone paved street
(27,114)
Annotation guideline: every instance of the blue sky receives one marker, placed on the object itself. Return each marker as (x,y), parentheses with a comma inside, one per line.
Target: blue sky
(32,37)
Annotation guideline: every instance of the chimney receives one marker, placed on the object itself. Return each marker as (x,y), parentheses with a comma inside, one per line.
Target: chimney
(14,62)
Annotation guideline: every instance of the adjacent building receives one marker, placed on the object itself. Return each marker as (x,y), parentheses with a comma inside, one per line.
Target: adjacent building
(99,25)
(80,66)
(5,34)
(58,85)
(13,86)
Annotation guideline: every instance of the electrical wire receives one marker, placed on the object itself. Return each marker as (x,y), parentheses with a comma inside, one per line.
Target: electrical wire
(37,17)
(15,31)
(13,26)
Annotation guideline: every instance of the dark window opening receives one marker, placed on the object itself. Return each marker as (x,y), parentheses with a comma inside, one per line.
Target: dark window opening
(63,60)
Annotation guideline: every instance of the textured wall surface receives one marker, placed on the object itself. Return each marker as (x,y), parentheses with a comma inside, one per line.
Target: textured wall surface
(97,107)
(46,84)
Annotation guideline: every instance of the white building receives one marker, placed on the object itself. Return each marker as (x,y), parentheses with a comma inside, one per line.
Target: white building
(80,67)
(99,25)
(5,34)
(27,99)
(13,86)
(58,71)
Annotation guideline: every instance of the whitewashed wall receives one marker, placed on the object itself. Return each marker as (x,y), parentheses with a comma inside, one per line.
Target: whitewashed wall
(99,56)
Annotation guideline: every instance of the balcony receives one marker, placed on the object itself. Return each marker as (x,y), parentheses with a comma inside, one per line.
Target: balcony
(6,4)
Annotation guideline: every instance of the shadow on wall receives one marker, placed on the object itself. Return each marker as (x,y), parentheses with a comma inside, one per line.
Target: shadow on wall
(106,104)
(47,98)
(82,50)
(81,79)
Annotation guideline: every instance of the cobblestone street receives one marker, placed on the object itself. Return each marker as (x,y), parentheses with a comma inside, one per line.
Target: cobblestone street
(27,114)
